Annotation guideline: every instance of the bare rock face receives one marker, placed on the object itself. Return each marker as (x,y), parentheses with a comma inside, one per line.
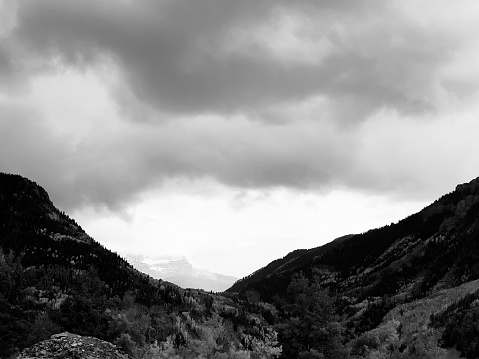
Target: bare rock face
(67,345)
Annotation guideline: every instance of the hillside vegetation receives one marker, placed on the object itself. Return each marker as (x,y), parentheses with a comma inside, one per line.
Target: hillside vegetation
(406,290)
(55,278)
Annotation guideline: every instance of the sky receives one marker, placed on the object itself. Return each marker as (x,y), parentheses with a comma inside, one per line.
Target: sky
(233,132)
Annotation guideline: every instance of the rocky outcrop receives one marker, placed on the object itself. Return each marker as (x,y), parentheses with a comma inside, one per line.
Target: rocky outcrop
(67,345)
(468,188)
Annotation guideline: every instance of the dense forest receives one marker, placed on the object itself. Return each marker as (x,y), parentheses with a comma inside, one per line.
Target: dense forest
(54,278)
(406,290)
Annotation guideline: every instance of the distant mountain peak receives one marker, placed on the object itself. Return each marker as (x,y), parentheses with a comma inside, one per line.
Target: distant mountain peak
(177,269)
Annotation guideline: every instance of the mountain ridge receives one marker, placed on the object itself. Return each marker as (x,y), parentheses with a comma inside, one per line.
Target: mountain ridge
(423,269)
(54,278)
(405,290)
(362,250)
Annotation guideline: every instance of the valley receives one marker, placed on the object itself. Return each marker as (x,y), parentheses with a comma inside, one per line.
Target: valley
(406,290)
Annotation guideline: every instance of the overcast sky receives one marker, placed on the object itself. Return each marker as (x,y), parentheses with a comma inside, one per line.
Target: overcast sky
(231,131)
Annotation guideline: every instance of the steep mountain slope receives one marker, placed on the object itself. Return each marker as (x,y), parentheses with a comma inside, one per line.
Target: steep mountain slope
(31,226)
(409,289)
(177,269)
(435,248)
(278,274)
(55,278)
(406,290)
(52,274)
(26,207)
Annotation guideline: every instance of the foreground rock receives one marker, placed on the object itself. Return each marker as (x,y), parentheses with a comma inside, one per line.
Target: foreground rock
(67,345)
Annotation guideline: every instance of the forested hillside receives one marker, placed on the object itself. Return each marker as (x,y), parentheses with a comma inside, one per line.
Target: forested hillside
(401,265)
(54,278)
(441,232)
(406,290)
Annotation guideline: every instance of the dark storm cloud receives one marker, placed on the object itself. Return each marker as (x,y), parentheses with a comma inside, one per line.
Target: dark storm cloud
(110,171)
(184,57)
(12,78)
(249,93)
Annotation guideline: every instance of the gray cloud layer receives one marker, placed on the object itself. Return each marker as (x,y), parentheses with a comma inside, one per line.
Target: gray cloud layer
(215,56)
(251,93)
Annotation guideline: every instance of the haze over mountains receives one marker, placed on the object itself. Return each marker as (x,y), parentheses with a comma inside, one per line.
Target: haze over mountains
(405,290)
(177,269)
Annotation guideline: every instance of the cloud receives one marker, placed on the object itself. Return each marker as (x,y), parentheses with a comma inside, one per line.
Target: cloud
(26,146)
(110,162)
(102,101)
(240,154)
(221,57)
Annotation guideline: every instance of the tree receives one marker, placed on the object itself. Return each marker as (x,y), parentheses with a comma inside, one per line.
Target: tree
(310,329)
